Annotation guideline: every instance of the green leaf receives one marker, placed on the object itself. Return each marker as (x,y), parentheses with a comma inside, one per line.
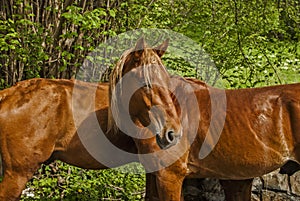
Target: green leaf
(112,13)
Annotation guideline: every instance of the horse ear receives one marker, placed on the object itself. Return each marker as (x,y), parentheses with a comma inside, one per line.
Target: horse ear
(161,49)
(139,47)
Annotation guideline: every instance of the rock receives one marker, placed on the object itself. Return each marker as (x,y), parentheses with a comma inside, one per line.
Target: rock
(203,190)
(255,197)
(270,187)
(276,181)
(295,183)
(276,196)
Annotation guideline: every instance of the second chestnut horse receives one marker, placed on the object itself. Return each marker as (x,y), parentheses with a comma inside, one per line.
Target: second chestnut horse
(42,120)
(259,131)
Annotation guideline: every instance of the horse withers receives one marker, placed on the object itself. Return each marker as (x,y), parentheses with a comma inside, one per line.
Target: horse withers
(39,120)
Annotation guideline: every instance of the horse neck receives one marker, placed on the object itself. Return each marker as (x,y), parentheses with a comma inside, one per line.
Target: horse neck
(121,140)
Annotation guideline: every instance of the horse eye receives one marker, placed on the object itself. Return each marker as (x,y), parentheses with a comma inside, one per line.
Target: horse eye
(153,60)
(135,59)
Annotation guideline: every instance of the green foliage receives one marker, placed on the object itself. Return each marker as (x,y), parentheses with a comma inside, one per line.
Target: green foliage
(248,41)
(251,43)
(243,38)
(60,181)
(88,20)
(25,47)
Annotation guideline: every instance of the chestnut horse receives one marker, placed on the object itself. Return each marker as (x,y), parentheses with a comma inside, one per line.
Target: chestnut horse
(37,125)
(260,133)
(241,134)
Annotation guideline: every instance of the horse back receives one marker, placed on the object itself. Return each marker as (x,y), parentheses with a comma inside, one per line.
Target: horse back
(261,129)
(45,114)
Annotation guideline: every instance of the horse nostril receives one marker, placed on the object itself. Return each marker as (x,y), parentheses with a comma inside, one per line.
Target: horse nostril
(170,136)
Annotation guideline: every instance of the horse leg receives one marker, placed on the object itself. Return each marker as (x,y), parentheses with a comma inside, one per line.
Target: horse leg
(20,162)
(13,183)
(151,190)
(237,190)
(169,186)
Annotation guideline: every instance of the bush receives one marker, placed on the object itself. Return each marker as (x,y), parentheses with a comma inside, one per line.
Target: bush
(60,181)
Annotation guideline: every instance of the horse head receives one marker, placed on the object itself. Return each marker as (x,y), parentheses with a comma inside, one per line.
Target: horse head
(140,87)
